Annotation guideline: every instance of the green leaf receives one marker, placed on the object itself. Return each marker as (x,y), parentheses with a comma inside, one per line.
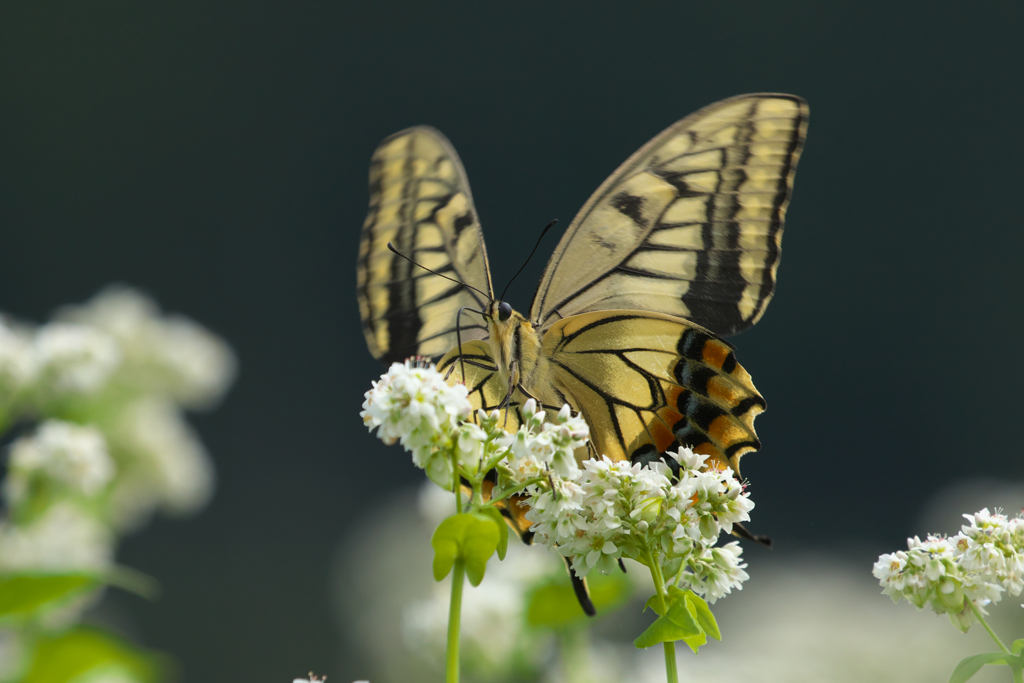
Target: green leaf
(471,537)
(687,618)
(552,603)
(701,613)
(1017,646)
(665,629)
(23,595)
(969,666)
(502,530)
(654,603)
(74,654)
(675,623)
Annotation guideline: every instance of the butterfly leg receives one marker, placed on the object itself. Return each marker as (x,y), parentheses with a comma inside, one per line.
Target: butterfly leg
(579,587)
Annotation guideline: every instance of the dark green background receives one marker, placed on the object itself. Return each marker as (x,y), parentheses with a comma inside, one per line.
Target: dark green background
(215,154)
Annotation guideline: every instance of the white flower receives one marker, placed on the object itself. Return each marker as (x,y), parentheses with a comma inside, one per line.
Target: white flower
(74,358)
(71,455)
(992,545)
(716,571)
(164,463)
(470,441)
(623,509)
(978,564)
(413,405)
(63,538)
(889,572)
(687,459)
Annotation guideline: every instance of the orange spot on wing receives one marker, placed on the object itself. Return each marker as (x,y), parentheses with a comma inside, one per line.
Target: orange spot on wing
(715,353)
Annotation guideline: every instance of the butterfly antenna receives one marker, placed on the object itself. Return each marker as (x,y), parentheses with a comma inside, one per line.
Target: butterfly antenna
(395,251)
(542,233)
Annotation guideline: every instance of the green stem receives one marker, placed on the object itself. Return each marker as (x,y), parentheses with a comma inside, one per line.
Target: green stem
(670,647)
(478,496)
(1018,674)
(981,620)
(454,612)
(456,486)
(498,496)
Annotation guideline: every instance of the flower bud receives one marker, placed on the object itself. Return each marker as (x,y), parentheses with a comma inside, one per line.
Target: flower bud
(529,409)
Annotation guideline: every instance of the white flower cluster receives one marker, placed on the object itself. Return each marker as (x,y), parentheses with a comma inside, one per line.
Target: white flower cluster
(541,447)
(106,381)
(617,509)
(607,510)
(412,404)
(71,456)
(167,465)
(63,537)
(118,341)
(978,564)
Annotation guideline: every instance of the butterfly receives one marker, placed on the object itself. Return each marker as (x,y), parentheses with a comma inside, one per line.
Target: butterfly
(677,249)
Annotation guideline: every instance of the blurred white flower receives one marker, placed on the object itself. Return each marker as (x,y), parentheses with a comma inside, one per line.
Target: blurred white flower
(168,355)
(74,358)
(64,537)
(74,456)
(164,464)
(493,616)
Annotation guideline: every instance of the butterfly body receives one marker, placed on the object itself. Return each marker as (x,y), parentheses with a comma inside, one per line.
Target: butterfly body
(679,247)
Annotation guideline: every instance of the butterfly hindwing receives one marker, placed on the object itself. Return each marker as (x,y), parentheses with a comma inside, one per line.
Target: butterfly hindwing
(487,391)
(648,383)
(690,225)
(419,201)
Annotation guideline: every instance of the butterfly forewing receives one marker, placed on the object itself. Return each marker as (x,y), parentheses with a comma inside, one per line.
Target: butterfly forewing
(690,225)
(648,383)
(419,201)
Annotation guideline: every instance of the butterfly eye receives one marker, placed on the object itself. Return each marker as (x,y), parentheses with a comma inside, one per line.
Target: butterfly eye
(504,311)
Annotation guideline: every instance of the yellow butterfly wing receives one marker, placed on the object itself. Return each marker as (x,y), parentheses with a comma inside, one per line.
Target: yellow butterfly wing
(690,225)
(419,201)
(486,389)
(647,383)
